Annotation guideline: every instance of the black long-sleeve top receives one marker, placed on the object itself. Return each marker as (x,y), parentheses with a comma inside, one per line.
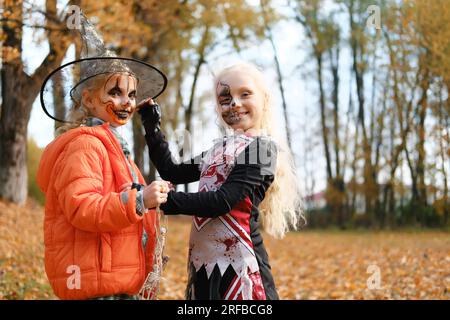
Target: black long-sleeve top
(245,179)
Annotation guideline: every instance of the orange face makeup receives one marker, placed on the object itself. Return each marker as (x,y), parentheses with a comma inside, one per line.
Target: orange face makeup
(117,99)
(112,113)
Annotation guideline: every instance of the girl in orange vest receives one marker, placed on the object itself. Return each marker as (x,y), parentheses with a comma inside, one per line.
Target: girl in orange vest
(99,231)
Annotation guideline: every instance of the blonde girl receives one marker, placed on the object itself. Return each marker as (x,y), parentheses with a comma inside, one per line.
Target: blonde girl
(247,179)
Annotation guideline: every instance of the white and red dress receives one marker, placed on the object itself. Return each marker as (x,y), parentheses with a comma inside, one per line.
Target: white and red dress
(227,257)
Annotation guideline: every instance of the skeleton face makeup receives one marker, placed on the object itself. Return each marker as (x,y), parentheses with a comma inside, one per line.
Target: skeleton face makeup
(240,101)
(226,102)
(115,101)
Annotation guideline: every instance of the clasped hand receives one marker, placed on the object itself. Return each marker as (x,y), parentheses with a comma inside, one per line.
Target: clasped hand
(154,194)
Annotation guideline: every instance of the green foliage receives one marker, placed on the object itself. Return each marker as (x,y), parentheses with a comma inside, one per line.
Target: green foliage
(34,154)
(419,215)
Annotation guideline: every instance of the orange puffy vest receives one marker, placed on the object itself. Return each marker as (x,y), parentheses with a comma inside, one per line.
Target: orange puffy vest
(93,240)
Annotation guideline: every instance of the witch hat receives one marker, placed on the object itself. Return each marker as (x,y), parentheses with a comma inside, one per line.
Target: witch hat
(95,60)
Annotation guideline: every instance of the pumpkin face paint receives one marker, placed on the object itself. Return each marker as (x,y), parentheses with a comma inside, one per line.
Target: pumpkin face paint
(115,101)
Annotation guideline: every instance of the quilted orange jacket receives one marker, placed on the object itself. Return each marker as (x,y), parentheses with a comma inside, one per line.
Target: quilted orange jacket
(92,239)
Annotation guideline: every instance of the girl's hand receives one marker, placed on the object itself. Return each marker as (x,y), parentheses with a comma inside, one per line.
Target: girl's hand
(155,194)
(150,115)
(145,104)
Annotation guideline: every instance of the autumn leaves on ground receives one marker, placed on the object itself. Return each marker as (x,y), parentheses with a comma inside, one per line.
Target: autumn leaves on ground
(306,264)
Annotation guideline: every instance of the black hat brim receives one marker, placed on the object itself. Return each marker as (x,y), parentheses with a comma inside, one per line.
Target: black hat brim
(151,81)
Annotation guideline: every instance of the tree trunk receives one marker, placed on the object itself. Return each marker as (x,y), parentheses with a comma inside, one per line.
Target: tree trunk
(319,58)
(13,121)
(420,167)
(138,143)
(279,74)
(18,94)
(354,180)
(334,59)
(443,125)
(357,51)
(58,99)
(13,133)
(338,180)
(201,51)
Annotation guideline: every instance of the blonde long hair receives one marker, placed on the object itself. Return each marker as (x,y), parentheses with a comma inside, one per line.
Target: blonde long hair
(77,116)
(282,207)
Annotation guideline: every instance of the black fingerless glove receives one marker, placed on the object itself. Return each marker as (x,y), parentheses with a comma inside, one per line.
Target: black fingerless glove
(150,117)
(137,186)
